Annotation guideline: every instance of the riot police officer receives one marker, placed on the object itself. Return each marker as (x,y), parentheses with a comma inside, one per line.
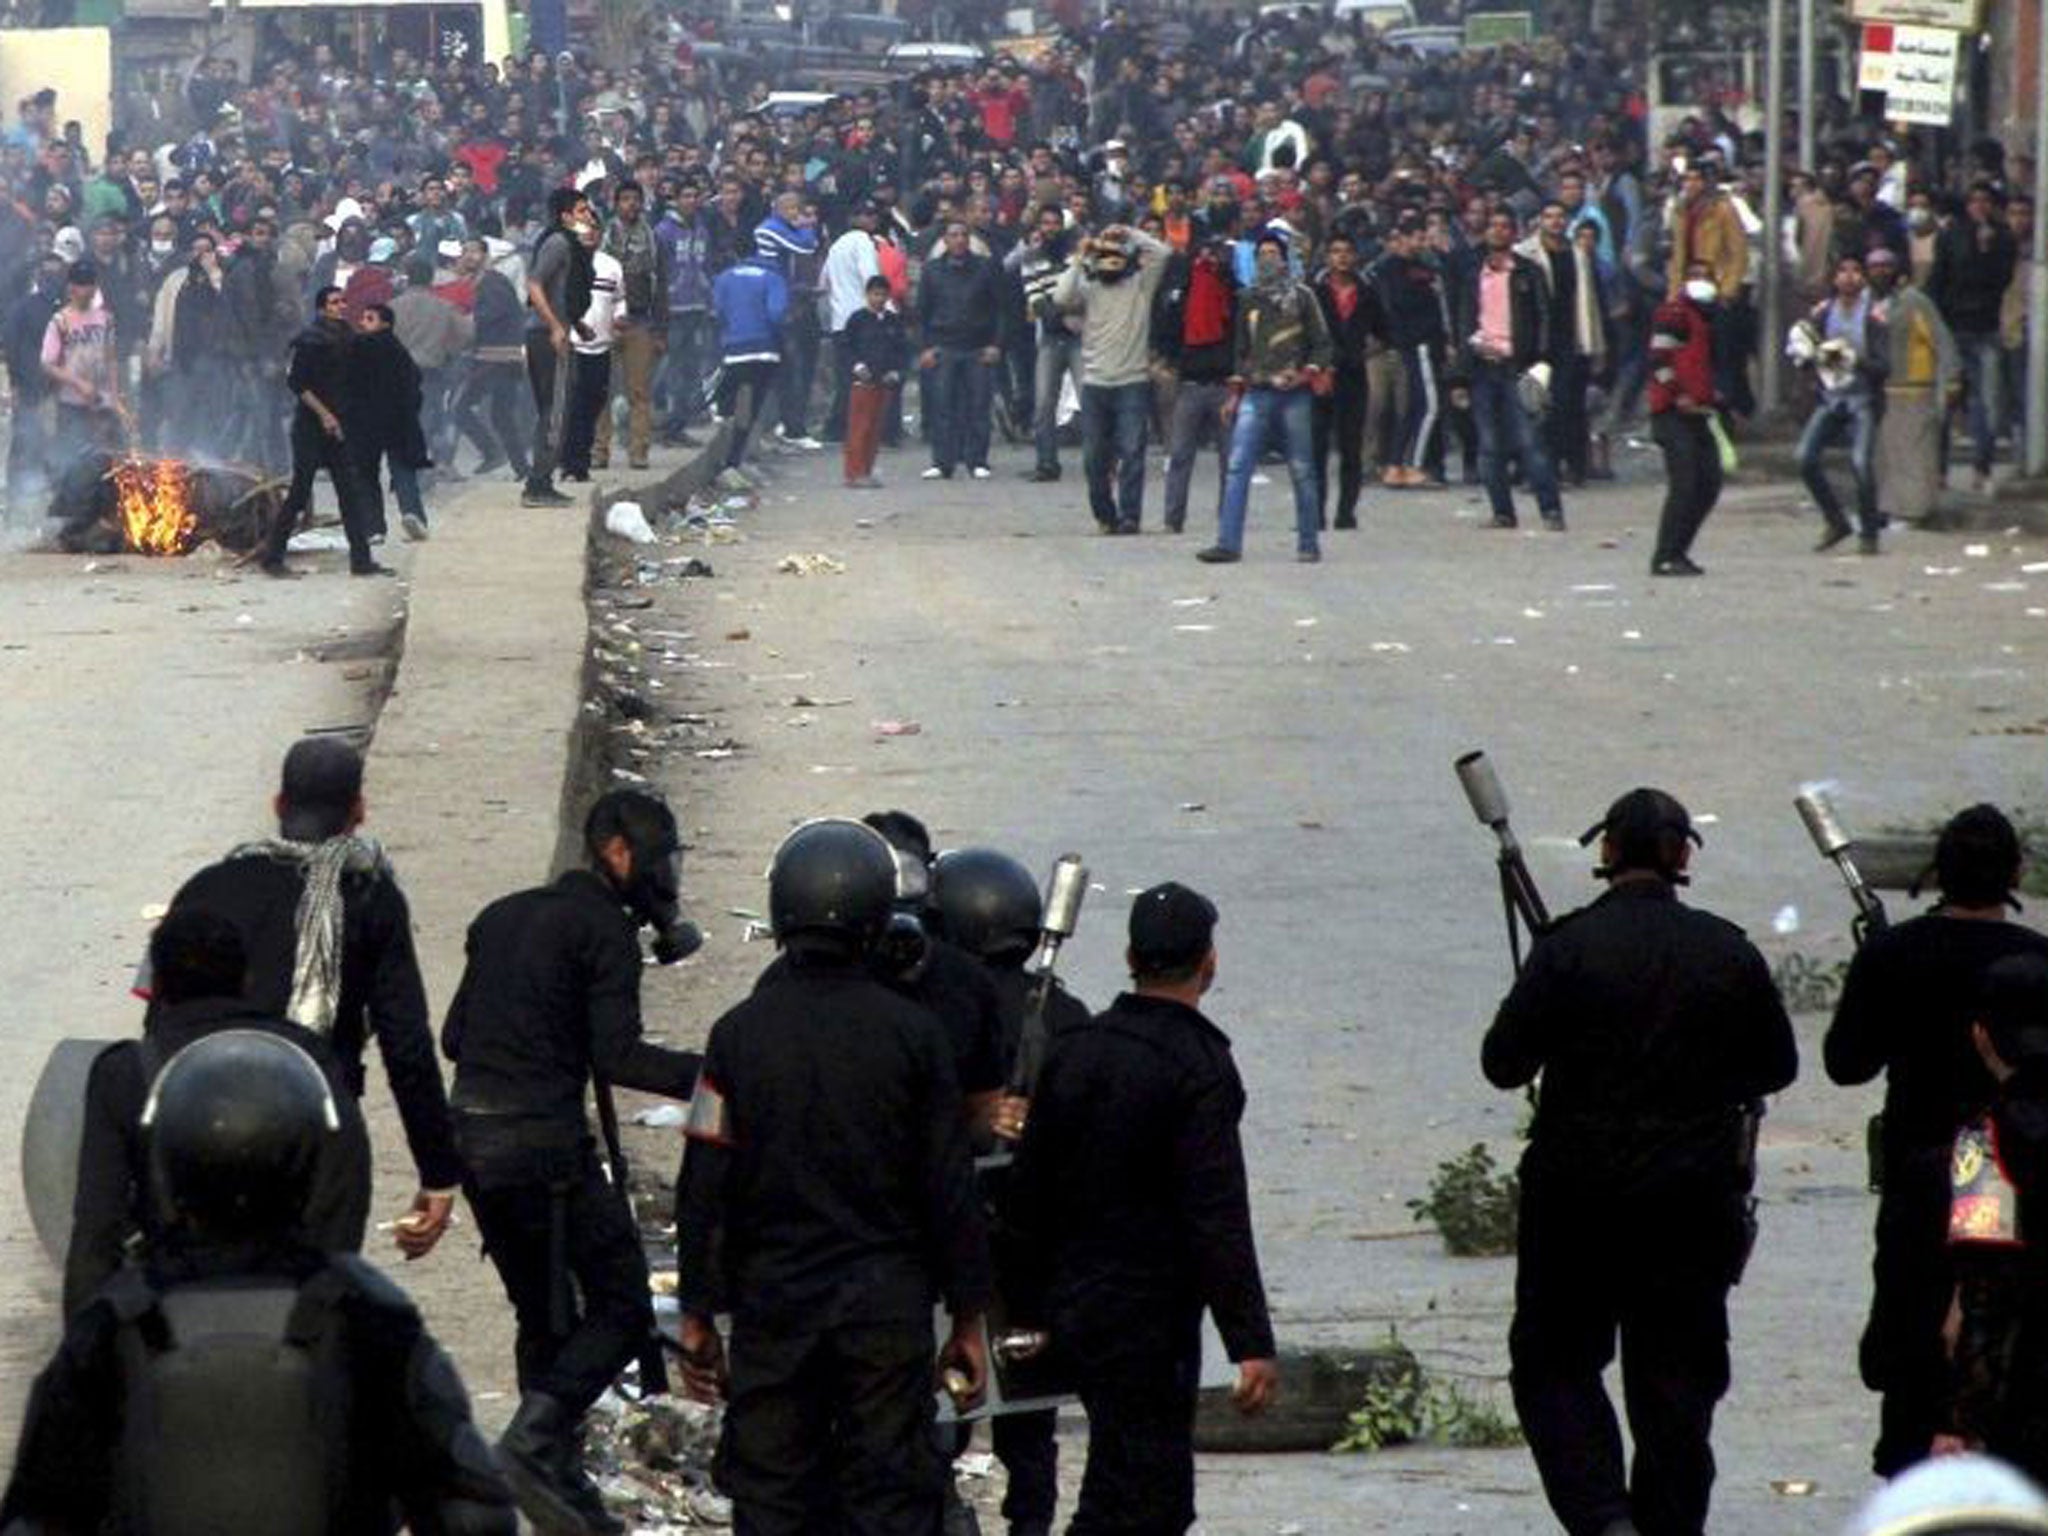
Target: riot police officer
(825,1203)
(198,968)
(987,904)
(240,1372)
(1131,1216)
(1655,1027)
(1906,1010)
(549,1006)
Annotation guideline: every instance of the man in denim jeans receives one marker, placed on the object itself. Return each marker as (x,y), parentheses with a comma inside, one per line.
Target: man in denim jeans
(1973,264)
(1110,284)
(1845,343)
(959,311)
(1503,313)
(1039,261)
(1284,356)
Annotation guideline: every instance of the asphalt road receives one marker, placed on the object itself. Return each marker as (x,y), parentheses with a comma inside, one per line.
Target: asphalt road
(1281,737)
(144,709)
(1278,735)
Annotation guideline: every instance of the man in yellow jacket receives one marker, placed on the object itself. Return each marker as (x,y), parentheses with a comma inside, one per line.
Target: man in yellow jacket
(1706,228)
(1923,374)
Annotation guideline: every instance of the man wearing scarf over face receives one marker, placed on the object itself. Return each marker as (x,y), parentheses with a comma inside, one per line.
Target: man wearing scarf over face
(329,942)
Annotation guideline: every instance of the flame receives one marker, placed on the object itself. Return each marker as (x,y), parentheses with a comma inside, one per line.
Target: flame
(156,513)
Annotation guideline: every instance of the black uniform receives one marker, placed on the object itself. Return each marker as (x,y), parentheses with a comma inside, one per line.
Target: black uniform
(958,989)
(381,992)
(114,1200)
(1131,1215)
(1653,1024)
(1906,1010)
(1026,1443)
(827,1203)
(551,995)
(405,1435)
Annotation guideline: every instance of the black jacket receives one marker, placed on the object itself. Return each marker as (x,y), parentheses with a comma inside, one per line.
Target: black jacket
(1348,337)
(1971,275)
(1411,297)
(827,1180)
(114,1200)
(1529,313)
(959,992)
(382,995)
(198,323)
(1128,1196)
(879,341)
(550,995)
(1652,1023)
(1211,364)
(410,1439)
(383,402)
(256,300)
(959,302)
(1014,986)
(319,363)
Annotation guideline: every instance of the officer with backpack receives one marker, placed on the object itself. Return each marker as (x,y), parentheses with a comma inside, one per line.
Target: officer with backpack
(240,1378)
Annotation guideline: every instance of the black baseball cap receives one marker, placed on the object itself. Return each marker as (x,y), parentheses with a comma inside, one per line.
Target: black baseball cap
(1638,824)
(1171,926)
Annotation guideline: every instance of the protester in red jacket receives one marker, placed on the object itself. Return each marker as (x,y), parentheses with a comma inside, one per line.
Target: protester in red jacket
(1682,419)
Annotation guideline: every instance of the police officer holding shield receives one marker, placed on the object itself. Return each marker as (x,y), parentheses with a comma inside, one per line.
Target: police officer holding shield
(1655,1028)
(826,1202)
(549,1007)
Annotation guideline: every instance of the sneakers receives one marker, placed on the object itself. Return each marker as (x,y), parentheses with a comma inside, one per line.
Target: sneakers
(1504,520)
(1837,533)
(415,527)
(1308,556)
(983,472)
(371,568)
(933,472)
(1554,521)
(1678,565)
(542,496)
(277,570)
(805,442)
(1216,554)
(1043,474)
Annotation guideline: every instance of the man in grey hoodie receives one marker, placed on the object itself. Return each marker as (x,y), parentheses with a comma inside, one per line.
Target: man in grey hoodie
(1110,283)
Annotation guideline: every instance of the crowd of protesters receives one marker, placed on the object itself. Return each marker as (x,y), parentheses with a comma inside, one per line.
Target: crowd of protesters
(1263,234)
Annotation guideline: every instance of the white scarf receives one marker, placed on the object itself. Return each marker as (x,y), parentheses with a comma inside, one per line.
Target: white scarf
(316,956)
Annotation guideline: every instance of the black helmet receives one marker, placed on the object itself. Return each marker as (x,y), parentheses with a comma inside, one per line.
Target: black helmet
(833,877)
(988,903)
(236,1122)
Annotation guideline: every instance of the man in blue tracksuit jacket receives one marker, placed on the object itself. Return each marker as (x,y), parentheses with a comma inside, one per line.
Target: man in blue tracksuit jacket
(750,299)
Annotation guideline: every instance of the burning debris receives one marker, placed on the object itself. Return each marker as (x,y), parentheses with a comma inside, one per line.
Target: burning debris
(128,503)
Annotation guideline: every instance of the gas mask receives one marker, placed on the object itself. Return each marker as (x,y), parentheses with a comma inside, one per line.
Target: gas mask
(904,947)
(654,893)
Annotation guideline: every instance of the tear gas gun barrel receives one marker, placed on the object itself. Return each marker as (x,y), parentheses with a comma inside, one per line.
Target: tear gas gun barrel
(1834,843)
(1065,889)
(1519,896)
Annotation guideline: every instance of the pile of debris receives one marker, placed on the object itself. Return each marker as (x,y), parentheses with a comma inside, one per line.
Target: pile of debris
(651,1457)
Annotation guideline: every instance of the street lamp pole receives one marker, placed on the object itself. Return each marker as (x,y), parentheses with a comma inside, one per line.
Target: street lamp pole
(1808,47)
(2037,266)
(1769,359)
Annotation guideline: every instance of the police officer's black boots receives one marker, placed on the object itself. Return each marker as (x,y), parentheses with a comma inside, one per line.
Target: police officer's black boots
(536,1454)
(583,1493)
